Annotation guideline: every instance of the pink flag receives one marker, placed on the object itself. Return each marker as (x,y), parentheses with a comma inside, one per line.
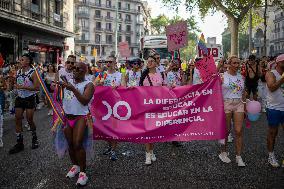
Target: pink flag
(206,67)
(159,114)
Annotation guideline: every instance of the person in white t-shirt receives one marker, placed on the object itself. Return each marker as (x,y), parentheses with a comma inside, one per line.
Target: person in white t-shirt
(112,78)
(133,75)
(160,68)
(234,100)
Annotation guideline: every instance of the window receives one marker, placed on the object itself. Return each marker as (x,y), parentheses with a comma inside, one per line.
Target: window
(85,36)
(83,10)
(108,26)
(128,39)
(139,9)
(98,25)
(120,16)
(128,6)
(57,6)
(119,5)
(83,49)
(98,13)
(35,2)
(119,38)
(108,14)
(128,17)
(119,27)
(109,38)
(108,3)
(98,2)
(97,38)
(128,28)
(83,23)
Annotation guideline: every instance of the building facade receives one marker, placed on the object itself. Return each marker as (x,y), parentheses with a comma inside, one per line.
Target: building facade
(96,26)
(40,27)
(277,43)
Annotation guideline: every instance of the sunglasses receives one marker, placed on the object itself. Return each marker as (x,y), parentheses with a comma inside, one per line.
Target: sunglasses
(158,57)
(109,61)
(69,62)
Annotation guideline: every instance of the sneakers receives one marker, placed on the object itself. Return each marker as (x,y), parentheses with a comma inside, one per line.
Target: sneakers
(107,151)
(113,155)
(153,157)
(73,171)
(224,157)
(17,148)
(273,161)
(1,143)
(240,162)
(34,143)
(82,180)
(148,160)
(28,127)
(230,138)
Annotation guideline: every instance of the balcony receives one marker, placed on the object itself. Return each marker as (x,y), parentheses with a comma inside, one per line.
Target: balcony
(85,28)
(128,21)
(83,14)
(98,30)
(128,32)
(108,30)
(109,18)
(26,14)
(82,41)
(98,17)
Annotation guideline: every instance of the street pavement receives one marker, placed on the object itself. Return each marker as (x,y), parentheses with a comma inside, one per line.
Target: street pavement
(195,165)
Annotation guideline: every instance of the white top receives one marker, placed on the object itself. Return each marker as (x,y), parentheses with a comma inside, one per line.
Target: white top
(68,75)
(173,78)
(160,69)
(133,78)
(25,79)
(71,105)
(113,79)
(233,86)
(196,77)
(275,100)
(89,77)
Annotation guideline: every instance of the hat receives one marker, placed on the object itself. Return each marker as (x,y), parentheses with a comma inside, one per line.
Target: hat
(280,58)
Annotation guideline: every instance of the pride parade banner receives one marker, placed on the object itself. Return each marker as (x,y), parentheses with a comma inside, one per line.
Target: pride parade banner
(159,114)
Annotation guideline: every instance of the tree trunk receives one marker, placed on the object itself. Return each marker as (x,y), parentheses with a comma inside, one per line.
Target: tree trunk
(265,28)
(234,36)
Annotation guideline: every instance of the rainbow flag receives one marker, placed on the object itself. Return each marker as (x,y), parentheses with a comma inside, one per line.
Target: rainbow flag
(55,106)
(202,44)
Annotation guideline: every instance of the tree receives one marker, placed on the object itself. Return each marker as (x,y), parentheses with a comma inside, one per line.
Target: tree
(234,10)
(159,24)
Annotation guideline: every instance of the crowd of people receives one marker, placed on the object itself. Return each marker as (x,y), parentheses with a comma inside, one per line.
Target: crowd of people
(256,79)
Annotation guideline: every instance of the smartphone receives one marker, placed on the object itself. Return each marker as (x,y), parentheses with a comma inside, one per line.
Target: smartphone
(63,77)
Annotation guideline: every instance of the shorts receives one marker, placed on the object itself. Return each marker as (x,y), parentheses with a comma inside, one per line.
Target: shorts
(275,118)
(251,88)
(234,105)
(25,103)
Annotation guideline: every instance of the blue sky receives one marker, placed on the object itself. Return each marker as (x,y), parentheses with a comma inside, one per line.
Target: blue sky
(211,25)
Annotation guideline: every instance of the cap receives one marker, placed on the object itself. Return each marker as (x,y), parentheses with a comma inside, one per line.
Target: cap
(280,58)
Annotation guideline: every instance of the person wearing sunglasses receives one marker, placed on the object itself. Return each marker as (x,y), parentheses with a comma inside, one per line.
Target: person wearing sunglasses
(160,68)
(233,89)
(67,71)
(112,78)
(132,77)
(27,85)
(78,93)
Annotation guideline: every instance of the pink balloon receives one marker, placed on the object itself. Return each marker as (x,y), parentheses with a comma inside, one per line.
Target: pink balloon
(253,107)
